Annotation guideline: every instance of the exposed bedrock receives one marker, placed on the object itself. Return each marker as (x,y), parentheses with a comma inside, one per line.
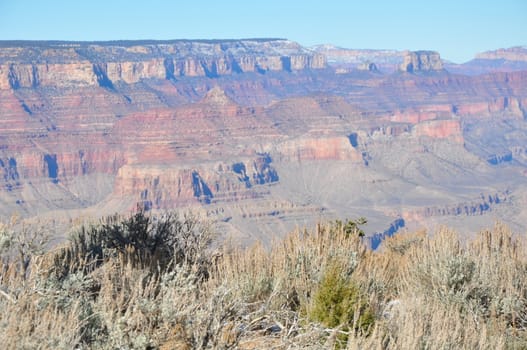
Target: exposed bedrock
(236,124)
(421,61)
(105,64)
(164,186)
(479,206)
(440,129)
(322,148)
(78,74)
(60,165)
(518,53)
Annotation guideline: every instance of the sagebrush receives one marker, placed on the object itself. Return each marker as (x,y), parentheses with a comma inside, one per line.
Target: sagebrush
(155,282)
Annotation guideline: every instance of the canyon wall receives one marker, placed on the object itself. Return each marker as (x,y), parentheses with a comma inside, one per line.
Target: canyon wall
(105,64)
(252,130)
(418,61)
(518,53)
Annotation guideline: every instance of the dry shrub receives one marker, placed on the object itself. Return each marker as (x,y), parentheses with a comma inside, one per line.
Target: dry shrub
(122,284)
(381,272)
(451,295)
(275,286)
(424,292)
(288,273)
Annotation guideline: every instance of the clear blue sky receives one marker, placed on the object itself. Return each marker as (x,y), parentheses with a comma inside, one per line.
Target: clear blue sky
(456,28)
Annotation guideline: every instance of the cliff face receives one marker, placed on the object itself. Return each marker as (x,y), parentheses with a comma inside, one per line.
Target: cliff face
(166,186)
(251,130)
(53,75)
(342,58)
(518,53)
(84,64)
(421,61)
(441,129)
(478,206)
(386,60)
(501,60)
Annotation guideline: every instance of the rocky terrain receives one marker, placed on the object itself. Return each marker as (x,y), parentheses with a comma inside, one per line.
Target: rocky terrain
(260,135)
(389,61)
(347,59)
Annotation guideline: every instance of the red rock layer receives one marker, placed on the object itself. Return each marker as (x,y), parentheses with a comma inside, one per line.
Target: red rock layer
(213,128)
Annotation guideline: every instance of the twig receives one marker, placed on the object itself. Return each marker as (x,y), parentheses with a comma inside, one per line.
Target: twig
(258,319)
(7,296)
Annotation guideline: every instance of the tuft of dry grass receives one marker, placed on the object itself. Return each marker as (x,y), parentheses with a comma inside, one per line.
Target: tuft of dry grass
(421,291)
(450,295)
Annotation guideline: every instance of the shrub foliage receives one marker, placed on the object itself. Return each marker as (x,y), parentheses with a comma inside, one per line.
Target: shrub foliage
(154,282)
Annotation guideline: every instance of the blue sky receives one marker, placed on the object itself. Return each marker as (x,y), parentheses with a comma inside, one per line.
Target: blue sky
(456,28)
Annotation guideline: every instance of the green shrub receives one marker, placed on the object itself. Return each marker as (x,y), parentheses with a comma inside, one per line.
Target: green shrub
(155,243)
(351,227)
(338,302)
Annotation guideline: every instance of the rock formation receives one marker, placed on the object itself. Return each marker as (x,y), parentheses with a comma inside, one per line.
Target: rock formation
(449,129)
(87,64)
(368,66)
(257,134)
(342,58)
(421,61)
(501,60)
(518,53)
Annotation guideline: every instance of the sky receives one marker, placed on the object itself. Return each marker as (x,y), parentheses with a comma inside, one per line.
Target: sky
(458,29)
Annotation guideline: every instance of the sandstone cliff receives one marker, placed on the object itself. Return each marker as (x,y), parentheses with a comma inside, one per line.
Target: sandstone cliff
(342,58)
(368,66)
(441,129)
(251,130)
(421,61)
(87,64)
(501,60)
(518,53)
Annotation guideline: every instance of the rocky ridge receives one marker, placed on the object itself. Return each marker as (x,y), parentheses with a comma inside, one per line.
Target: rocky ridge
(501,60)
(517,53)
(65,64)
(342,58)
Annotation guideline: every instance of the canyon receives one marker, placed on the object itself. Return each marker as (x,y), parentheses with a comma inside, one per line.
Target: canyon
(262,135)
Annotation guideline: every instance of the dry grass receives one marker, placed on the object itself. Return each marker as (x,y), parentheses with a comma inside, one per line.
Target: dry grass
(426,292)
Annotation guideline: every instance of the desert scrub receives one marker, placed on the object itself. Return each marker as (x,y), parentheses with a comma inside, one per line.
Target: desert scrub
(338,302)
(21,242)
(117,286)
(350,227)
(486,278)
(155,243)
(461,295)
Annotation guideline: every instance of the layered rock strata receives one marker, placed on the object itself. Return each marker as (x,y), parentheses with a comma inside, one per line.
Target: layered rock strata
(104,64)
(251,130)
(421,61)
